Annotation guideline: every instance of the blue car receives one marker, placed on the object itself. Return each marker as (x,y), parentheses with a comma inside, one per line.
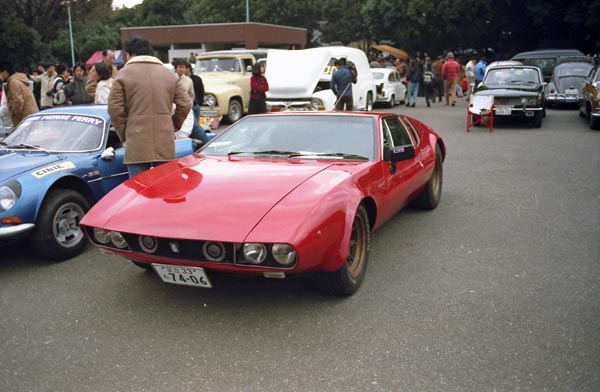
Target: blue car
(53,167)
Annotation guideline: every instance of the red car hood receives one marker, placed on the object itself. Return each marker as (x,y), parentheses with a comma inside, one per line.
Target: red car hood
(201,198)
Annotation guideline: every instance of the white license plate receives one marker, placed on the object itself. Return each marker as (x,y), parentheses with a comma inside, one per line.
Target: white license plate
(186,276)
(571,91)
(503,110)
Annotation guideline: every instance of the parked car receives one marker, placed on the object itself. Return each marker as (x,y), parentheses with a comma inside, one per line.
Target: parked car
(589,106)
(54,166)
(226,78)
(567,81)
(390,88)
(546,59)
(291,193)
(300,79)
(518,91)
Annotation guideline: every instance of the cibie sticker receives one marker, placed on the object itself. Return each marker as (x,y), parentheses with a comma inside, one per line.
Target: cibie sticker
(54,168)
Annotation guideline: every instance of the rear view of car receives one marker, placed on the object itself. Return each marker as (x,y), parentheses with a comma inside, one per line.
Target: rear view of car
(567,81)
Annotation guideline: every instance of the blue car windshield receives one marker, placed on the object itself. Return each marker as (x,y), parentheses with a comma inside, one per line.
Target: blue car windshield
(57,133)
(298,136)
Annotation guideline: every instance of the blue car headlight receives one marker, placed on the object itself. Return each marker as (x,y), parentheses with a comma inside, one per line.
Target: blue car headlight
(9,194)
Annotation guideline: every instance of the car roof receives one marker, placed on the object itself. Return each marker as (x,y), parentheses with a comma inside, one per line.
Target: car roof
(548,53)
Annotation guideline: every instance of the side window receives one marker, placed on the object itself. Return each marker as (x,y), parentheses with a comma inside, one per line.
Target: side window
(397,131)
(412,130)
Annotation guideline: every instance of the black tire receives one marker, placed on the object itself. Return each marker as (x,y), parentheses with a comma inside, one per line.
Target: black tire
(235,111)
(392,101)
(348,278)
(430,196)
(369,103)
(57,235)
(537,120)
(594,121)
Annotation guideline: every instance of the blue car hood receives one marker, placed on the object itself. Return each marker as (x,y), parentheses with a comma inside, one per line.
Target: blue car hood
(14,163)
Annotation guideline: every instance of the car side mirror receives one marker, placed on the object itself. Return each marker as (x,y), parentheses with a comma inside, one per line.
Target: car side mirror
(248,68)
(108,154)
(401,153)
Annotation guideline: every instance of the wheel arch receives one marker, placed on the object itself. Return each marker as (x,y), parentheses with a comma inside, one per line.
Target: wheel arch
(69,182)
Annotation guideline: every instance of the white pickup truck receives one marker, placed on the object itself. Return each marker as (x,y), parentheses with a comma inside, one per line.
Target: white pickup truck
(300,79)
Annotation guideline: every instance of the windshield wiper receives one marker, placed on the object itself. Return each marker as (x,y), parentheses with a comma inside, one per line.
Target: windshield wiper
(266,152)
(342,155)
(27,147)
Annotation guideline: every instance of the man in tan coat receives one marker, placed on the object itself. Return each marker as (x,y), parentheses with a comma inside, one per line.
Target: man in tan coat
(20,98)
(140,105)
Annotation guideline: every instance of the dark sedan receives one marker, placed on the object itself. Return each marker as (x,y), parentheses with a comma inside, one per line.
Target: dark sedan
(518,91)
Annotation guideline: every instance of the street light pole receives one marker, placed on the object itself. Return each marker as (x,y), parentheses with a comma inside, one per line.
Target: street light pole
(71,32)
(247,11)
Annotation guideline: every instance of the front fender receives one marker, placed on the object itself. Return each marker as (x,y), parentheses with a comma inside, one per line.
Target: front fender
(316,219)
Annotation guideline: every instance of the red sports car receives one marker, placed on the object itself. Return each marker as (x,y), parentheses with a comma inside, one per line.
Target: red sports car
(275,194)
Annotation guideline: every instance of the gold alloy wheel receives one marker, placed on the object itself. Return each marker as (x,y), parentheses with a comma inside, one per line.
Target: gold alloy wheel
(435,179)
(358,246)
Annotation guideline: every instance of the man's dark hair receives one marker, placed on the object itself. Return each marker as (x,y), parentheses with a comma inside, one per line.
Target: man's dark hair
(8,67)
(138,46)
(79,65)
(104,73)
(180,61)
(61,68)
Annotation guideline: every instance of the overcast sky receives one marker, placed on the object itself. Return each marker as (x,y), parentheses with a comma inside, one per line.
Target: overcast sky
(126,3)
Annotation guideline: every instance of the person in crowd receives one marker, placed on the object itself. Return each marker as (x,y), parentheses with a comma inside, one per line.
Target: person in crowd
(46,81)
(341,85)
(480,70)
(414,79)
(258,88)
(141,111)
(439,80)
(108,58)
(75,90)
(105,82)
(428,81)
(470,74)
(401,67)
(19,96)
(197,132)
(450,71)
(37,86)
(192,59)
(180,67)
(63,78)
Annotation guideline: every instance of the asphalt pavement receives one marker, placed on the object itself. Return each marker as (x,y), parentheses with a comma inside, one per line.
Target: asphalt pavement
(498,289)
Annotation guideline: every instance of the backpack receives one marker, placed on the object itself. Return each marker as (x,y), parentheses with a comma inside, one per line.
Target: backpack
(352,67)
(428,77)
(59,95)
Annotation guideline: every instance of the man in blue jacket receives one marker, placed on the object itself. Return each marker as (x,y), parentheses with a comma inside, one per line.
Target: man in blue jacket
(341,85)
(480,71)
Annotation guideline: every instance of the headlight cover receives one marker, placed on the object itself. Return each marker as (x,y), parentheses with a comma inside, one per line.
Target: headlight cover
(210,100)
(101,235)
(255,253)
(118,240)
(284,254)
(9,194)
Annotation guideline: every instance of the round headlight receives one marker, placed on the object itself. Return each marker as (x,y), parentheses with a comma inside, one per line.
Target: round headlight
(118,240)
(148,244)
(210,100)
(101,235)
(284,254)
(255,253)
(8,198)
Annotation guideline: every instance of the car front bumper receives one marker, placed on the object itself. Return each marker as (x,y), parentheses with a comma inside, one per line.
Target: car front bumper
(15,231)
